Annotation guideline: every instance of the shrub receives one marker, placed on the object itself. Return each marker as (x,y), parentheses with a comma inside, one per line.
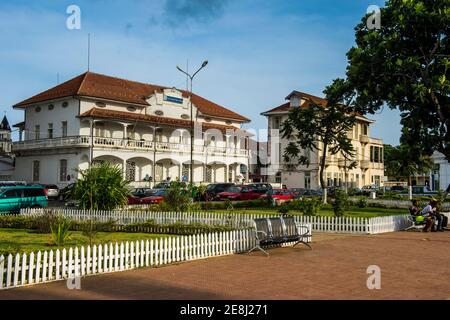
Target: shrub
(91,228)
(60,230)
(340,203)
(284,209)
(178,197)
(308,206)
(101,187)
(361,203)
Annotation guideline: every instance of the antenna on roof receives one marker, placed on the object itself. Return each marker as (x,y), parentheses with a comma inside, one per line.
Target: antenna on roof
(89,52)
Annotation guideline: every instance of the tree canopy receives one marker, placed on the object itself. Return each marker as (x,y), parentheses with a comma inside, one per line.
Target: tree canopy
(405,65)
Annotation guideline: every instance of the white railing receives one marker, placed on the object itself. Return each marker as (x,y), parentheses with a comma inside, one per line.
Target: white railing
(40,267)
(85,141)
(356,225)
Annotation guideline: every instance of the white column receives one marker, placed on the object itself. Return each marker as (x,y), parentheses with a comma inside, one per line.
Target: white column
(125,134)
(124,169)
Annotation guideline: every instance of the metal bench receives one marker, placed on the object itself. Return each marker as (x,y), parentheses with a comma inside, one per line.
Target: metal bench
(274,231)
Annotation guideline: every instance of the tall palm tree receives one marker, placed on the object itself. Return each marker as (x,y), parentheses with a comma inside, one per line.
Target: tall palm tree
(405,161)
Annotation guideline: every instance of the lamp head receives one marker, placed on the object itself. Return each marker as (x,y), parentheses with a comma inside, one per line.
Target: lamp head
(204,63)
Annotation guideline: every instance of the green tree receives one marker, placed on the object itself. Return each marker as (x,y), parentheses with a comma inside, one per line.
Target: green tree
(321,127)
(178,197)
(101,187)
(405,65)
(405,162)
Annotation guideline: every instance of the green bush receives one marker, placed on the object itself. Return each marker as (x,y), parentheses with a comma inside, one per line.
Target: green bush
(284,209)
(101,187)
(340,203)
(361,203)
(60,228)
(307,206)
(178,197)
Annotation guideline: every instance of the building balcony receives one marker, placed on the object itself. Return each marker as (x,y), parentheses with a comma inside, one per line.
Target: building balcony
(365,164)
(364,139)
(127,144)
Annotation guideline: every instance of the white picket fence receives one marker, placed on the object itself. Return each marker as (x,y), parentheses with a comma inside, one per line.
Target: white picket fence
(234,220)
(47,266)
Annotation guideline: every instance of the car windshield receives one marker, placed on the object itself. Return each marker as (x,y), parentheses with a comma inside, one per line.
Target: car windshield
(160,193)
(234,189)
(277,192)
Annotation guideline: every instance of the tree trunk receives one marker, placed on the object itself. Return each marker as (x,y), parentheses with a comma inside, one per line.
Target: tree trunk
(323,183)
(410,188)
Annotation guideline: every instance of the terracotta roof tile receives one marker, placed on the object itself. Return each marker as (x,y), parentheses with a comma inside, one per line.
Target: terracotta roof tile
(121,115)
(95,85)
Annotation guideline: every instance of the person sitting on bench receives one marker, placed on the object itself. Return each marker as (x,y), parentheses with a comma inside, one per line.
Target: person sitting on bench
(428,215)
(414,209)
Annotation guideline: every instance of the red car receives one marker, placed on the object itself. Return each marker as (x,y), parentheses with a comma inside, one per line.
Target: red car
(155,198)
(280,194)
(238,193)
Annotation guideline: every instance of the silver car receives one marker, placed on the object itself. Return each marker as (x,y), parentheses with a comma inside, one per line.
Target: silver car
(52,191)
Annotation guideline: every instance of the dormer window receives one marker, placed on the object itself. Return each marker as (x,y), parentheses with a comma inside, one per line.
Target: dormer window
(185,116)
(207,119)
(51,107)
(131,109)
(65,104)
(228,122)
(100,104)
(159,113)
(38,109)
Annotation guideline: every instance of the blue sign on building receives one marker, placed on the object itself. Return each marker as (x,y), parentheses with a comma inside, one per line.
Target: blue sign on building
(173,99)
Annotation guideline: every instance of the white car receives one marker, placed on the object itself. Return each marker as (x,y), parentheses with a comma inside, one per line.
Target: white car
(52,191)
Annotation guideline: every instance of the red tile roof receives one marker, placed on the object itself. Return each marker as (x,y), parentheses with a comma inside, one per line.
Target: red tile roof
(121,115)
(95,85)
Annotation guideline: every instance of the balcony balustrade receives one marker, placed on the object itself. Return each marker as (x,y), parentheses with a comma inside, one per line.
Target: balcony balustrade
(118,143)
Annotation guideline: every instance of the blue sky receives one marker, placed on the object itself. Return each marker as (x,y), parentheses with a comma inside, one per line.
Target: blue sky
(259,50)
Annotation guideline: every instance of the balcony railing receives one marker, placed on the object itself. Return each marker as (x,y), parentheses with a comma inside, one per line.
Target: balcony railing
(364,138)
(118,143)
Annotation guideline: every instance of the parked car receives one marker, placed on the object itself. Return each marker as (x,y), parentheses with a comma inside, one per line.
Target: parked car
(238,193)
(310,193)
(297,191)
(213,189)
(155,198)
(52,191)
(279,194)
(398,189)
(143,192)
(421,191)
(12,199)
(260,188)
(64,193)
(366,190)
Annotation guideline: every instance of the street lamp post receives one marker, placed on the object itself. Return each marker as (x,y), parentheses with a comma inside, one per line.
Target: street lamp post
(191,77)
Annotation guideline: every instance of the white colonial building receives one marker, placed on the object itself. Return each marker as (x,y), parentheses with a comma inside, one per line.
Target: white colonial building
(142,128)
(368,156)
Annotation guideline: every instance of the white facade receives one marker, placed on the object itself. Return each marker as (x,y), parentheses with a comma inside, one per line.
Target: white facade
(443,172)
(368,156)
(61,136)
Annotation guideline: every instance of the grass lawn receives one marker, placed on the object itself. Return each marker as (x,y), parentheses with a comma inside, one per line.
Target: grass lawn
(21,240)
(327,210)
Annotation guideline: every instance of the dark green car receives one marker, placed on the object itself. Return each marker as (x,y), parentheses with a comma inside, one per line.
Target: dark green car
(12,199)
